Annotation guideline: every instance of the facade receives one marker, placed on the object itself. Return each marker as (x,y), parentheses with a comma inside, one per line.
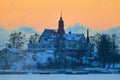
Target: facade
(52,41)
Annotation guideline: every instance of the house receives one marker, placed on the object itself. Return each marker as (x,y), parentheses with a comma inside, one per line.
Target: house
(8,56)
(52,41)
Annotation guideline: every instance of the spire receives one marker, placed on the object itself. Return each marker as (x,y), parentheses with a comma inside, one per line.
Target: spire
(61,13)
(61,25)
(87,40)
(61,16)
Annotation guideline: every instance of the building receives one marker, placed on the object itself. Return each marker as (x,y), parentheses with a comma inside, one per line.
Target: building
(8,56)
(52,41)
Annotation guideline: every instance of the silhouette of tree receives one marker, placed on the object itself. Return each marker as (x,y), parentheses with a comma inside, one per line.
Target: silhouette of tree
(17,40)
(115,49)
(34,38)
(103,48)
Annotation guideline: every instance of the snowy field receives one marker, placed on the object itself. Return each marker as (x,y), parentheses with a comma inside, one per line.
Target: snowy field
(61,77)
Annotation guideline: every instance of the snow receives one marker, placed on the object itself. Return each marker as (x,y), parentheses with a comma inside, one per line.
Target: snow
(102,70)
(61,77)
(13,50)
(29,61)
(73,36)
(117,65)
(42,58)
(17,65)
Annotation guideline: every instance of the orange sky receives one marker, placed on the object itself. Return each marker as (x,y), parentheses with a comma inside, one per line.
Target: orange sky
(40,14)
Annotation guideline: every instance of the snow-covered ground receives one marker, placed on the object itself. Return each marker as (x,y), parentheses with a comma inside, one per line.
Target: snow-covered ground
(61,77)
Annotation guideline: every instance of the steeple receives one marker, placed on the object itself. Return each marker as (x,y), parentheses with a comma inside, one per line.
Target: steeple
(61,25)
(87,39)
(61,14)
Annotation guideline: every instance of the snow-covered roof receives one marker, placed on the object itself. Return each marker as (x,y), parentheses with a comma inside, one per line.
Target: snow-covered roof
(73,36)
(14,50)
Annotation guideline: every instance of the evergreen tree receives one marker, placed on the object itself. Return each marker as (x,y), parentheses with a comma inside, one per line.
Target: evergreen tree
(103,48)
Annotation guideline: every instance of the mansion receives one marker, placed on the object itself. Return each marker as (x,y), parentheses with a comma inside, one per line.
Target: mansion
(54,41)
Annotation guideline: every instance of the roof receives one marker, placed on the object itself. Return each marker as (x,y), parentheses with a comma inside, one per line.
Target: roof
(14,50)
(74,36)
(48,32)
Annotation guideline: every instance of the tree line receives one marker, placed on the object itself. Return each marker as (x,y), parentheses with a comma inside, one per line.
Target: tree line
(107,49)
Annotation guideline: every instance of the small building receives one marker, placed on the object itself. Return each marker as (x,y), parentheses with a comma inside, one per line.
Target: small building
(8,56)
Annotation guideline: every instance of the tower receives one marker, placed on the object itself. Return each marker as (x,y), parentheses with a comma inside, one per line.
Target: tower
(61,26)
(87,39)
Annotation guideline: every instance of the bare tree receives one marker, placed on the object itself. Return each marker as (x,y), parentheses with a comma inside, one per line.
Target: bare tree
(34,38)
(17,40)
(115,49)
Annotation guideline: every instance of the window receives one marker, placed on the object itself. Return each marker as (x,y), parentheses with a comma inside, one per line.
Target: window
(74,46)
(63,46)
(43,46)
(69,45)
(48,46)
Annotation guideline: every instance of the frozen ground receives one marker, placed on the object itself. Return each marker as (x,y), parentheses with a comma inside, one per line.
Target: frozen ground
(61,77)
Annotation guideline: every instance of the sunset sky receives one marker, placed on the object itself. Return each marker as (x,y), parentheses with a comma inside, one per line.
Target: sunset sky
(40,14)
